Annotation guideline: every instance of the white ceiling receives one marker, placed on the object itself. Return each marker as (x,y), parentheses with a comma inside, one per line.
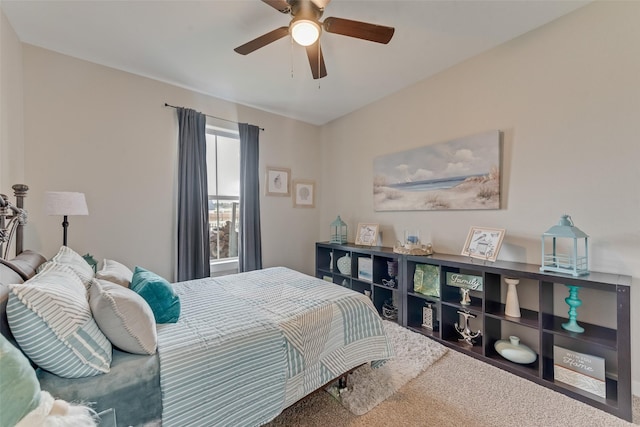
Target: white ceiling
(190,44)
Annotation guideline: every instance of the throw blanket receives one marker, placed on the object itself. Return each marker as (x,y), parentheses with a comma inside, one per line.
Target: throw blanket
(249,345)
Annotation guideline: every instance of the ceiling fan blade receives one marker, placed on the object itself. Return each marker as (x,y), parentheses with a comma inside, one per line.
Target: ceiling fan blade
(316,60)
(359,30)
(321,3)
(262,41)
(279,5)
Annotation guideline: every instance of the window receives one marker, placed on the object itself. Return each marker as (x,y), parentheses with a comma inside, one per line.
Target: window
(223,169)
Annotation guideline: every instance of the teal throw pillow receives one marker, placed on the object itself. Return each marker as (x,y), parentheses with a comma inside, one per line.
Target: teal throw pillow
(158,293)
(19,387)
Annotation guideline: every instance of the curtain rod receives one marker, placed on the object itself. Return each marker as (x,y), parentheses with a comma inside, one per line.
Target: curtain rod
(208,115)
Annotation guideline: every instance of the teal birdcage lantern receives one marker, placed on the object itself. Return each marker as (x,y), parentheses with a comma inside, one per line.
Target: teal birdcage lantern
(576,258)
(338,231)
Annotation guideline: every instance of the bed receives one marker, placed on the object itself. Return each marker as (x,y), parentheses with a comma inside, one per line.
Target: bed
(244,348)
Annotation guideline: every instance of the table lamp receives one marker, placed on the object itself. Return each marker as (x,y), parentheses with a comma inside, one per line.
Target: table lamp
(65,203)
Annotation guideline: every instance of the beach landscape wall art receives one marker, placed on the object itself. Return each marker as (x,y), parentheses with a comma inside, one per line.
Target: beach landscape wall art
(460,174)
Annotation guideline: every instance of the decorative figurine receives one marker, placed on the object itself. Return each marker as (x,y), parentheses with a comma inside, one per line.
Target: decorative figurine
(466,299)
(467,335)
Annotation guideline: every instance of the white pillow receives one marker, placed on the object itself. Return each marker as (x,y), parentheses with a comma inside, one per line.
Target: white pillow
(50,317)
(67,256)
(115,272)
(124,317)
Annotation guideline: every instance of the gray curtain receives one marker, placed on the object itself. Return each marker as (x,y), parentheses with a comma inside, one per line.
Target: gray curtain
(250,253)
(193,197)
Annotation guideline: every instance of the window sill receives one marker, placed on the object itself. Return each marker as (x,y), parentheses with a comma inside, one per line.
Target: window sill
(223,267)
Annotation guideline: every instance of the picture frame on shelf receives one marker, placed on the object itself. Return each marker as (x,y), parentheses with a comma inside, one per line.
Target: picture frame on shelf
(483,243)
(580,370)
(304,193)
(365,269)
(367,234)
(278,182)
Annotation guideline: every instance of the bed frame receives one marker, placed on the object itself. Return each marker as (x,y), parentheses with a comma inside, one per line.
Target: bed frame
(13,217)
(12,220)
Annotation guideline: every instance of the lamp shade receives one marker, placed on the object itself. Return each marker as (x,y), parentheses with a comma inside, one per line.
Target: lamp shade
(65,203)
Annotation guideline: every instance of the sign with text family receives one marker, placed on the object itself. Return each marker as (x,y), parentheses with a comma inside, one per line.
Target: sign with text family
(466,281)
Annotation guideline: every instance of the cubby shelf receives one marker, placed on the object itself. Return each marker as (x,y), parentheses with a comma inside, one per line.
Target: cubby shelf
(375,280)
(541,315)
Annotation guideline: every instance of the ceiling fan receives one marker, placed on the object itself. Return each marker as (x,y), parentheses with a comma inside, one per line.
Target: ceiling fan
(305,29)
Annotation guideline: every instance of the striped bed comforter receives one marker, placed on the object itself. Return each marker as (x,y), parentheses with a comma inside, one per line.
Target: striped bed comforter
(249,345)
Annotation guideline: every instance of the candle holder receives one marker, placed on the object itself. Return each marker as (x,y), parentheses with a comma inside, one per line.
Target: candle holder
(338,232)
(573,302)
(576,259)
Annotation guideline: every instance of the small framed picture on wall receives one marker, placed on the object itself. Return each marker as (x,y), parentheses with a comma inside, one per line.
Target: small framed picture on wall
(278,181)
(304,193)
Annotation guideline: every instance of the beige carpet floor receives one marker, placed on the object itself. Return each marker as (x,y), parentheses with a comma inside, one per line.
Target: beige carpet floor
(455,391)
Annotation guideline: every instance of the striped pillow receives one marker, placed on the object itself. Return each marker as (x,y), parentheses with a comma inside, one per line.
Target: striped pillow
(70,258)
(50,318)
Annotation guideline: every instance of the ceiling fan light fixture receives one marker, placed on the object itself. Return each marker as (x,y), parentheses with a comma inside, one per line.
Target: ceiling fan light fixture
(305,28)
(305,32)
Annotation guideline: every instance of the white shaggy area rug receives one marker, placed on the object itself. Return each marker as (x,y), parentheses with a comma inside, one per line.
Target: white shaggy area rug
(367,387)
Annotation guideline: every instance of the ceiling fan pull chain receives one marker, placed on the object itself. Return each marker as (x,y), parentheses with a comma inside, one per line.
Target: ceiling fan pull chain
(291,57)
(318,64)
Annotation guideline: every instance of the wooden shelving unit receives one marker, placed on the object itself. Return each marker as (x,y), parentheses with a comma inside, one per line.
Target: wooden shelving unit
(327,256)
(539,324)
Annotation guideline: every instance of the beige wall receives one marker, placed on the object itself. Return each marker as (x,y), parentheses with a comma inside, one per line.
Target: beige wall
(11,101)
(106,133)
(567,98)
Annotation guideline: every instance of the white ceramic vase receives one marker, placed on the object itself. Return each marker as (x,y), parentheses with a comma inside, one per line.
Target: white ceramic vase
(514,351)
(344,265)
(512,306)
